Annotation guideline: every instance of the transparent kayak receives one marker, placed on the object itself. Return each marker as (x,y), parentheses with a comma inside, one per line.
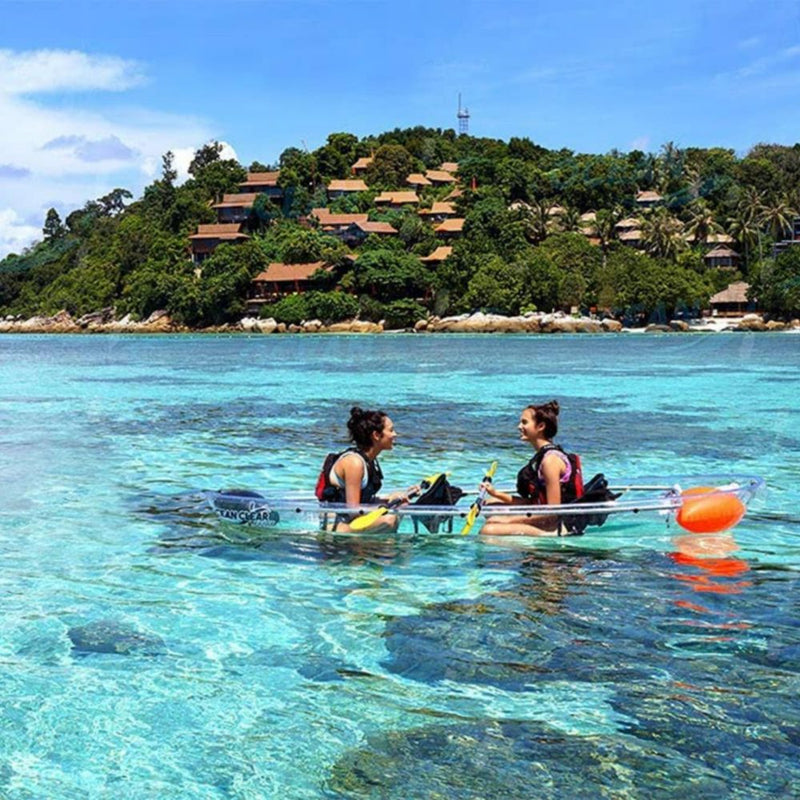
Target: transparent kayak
(701,504)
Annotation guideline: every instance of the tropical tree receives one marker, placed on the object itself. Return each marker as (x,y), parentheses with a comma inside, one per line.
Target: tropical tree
(662,234)
(702,222)
(776,217)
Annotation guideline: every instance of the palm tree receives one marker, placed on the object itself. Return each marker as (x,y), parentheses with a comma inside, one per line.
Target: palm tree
(536,221)
(776,217)
(744,230)
(662,234)
(702,222)
(605,231)
(570,220)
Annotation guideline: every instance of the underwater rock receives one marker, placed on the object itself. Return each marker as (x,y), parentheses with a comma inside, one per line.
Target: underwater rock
(110,636)
(516,761)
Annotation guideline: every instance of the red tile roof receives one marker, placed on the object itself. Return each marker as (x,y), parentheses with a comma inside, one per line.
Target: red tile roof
(439,207)
(397,198)
(449,166)
(362,163)
(287,273)
(454,194)
(261,179)
(326,218)
(416,179)
(227,230)
(439,176)
(439,254)
(455,225)
(242,200)
(376,227)
(347,185)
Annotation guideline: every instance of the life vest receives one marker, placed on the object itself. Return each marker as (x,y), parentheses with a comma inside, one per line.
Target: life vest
(531,487)
(330,493)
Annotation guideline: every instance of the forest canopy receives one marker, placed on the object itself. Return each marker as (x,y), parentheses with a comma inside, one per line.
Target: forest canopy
(542,229)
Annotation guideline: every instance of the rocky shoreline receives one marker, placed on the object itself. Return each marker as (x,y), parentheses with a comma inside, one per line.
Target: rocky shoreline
(105,321)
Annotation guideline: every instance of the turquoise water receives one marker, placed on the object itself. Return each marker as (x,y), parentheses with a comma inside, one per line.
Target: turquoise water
(149,652)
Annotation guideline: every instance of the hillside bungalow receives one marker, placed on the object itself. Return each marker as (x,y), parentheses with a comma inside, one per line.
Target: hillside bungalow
(438,177)
(438,212)
(263,183)
(235,207)
(450,228)
(631,237)
(785,244)
(360,167)
(340,188)
(731,301)
(648,199)
(712,239)
(205,241)
(455,194)
(722,257)
(356,233)
(437,256)
(449,166)
(397,198)
(628,224)
(279,279)
(417,180)
(336,223)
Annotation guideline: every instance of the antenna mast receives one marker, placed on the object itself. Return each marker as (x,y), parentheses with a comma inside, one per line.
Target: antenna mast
(463,117)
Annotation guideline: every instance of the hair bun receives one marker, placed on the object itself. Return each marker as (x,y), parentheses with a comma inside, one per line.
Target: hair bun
(356,411)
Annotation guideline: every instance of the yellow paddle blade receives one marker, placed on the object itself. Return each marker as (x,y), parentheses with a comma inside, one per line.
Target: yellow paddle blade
(476,507)
(365,520)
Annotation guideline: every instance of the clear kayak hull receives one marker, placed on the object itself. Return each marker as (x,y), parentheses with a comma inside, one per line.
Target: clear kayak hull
(701,504)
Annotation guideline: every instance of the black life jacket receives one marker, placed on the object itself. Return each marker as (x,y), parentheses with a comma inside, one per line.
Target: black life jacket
(329,493)
(532,488)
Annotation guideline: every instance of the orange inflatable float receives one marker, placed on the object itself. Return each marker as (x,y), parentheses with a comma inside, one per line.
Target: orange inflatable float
(708,510)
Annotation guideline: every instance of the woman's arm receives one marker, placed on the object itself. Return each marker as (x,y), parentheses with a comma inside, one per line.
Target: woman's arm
(501,497)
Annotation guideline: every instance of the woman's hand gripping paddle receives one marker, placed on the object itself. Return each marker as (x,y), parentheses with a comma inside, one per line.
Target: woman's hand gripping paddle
(476,507)
(371,517)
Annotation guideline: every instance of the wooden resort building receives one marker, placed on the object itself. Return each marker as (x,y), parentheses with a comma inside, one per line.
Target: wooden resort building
(439,177)
(438,212)
(263,183)
(341,188)
(722,257)
(732,301)
(204,242)
(235,207)
(785,244)
(397,199)
(279,279)
(450,228)
(355,233)
(418,181)
(361,165)
(335,224)
(648,199)
(437,256)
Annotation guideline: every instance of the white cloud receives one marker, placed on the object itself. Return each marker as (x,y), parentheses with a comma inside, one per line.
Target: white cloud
(63,156)
(65,70)
(15,233)
(640,143)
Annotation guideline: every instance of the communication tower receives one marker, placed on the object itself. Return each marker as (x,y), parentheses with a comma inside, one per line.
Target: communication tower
(463,117)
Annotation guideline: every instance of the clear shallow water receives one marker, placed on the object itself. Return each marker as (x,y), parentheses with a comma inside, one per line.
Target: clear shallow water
(149,652)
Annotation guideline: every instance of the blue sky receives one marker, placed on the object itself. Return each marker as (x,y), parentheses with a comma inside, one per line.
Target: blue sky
(91,93)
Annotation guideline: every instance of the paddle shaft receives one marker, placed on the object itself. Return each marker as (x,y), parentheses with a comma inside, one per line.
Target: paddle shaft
(476,507)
